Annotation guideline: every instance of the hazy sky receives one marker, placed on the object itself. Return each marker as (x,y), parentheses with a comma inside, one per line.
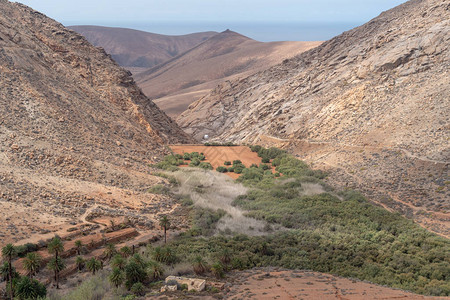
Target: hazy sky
(139,13)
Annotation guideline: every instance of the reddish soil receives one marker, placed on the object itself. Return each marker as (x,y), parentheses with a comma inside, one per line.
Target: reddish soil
(217,155)
(258,284)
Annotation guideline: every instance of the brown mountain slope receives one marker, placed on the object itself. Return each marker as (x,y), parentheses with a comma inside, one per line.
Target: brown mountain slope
(182,80)
(372,104)
(139,50)
(75,130)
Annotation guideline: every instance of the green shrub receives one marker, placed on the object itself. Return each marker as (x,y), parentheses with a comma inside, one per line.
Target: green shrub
(238,168)
(195,162)
(227,163)
(265,160)
(221,169)
(231,169)
(206,166)
(138,289)
(237,162)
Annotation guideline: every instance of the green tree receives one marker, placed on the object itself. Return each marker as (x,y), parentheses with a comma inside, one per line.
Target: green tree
(125,251)
(56,265)
(93,265)
(116,277)
(110,251)
(225,258)
(134,273)
(199,265)
(217,270)
(8,253)
(56,247)
(138,289)
(31,263)
(155,271)
(118,262)
(80,263)
(27,288)
(165,224)
(79,246)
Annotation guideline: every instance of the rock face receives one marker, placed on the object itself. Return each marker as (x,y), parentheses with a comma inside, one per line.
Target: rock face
(175,84)
(372,103)
(72,121)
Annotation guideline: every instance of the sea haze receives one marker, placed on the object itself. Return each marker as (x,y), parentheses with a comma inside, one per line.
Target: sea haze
(265,32)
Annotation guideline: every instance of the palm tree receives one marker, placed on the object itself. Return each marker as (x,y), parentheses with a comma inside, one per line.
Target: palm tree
(116,277)
(118,262)
(217,270)
(31,263)
(93,265)
(165,224)
(79,246)
(199,265)
(110,251)
(56,264)
(225,258)
(8,253)
(125,251)
(137,258)
(55,247)
(134,273)
(80,263)
(155,271)
(28,288)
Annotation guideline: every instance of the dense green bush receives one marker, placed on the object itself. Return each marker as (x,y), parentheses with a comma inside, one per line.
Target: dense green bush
(227,163)
(195,162)
(221,169)
(205,165)
(169,163)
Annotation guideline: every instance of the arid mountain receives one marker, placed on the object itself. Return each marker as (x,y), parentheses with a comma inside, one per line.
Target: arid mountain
(75,130)
(139,50)
(175,84)
(372,104)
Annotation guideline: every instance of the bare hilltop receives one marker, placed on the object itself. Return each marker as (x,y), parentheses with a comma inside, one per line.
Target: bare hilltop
(371,104)
(139,50)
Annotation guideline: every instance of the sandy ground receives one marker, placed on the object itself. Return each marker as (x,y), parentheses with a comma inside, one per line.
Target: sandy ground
(261,285)
(217,155)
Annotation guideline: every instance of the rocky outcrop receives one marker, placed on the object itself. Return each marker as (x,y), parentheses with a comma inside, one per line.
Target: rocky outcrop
(383,86)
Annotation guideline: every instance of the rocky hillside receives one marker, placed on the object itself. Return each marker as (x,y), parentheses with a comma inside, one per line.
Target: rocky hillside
(139,50)
(371,104)
(73,123)
(175,84)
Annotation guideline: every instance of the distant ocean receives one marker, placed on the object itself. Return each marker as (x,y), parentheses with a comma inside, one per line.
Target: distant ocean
(264,32)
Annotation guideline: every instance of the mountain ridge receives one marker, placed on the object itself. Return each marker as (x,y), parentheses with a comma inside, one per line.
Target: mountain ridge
(175,84)
(137,50)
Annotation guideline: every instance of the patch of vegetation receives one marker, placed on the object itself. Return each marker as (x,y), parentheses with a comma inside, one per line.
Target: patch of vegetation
(169,163)
(159,189)
(204,221)
(334,232)
(228,144)
(206,166)
(221,169)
